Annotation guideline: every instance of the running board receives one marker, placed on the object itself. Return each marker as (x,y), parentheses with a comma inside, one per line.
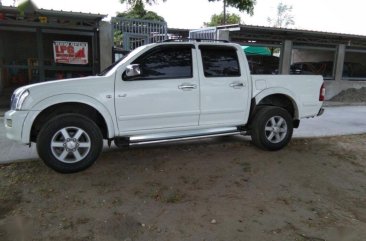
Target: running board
(182,136)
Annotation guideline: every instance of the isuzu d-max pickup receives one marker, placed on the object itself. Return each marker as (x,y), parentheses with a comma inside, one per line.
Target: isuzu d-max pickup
(161,92)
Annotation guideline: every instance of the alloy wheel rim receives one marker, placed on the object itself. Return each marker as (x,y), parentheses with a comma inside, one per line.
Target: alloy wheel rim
(276,129)
(70,144)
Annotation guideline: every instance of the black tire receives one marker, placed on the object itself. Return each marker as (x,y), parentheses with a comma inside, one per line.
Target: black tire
(69,143)
(271,128)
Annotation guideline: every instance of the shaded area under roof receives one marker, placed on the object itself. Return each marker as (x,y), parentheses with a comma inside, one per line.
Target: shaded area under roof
(256,50)
(244,33)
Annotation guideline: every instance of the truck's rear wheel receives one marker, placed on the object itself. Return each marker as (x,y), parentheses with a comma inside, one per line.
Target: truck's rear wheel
(69,143)
(271,128)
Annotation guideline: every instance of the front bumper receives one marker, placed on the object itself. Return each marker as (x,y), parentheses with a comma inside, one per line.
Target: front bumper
(14,124)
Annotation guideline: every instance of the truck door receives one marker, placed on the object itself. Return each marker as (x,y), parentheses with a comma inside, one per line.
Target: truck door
(164,95)
(224,86)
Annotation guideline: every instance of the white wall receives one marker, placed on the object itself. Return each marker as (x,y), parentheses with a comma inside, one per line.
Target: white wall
(312,55)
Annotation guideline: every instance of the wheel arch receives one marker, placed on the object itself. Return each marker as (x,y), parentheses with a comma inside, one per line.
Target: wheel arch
(70,143)
(62,104)
(277,97)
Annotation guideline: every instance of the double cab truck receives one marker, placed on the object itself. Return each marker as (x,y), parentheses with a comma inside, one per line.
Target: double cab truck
(169,91)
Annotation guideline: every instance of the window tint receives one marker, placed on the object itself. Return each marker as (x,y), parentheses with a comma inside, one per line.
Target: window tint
(220,61)
(166,62)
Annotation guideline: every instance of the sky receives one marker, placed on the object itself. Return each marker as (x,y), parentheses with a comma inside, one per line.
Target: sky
(319,15)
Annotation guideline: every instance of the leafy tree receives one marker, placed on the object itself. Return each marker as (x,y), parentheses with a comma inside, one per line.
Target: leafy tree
(242,5)
(138,11)
(118,38)
(134,2)
(283,18)
(218,19)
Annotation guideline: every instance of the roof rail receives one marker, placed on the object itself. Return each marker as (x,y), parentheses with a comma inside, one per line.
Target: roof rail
(194,39)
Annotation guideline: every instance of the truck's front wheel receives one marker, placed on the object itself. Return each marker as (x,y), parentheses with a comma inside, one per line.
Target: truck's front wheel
(271,128)
(69,143)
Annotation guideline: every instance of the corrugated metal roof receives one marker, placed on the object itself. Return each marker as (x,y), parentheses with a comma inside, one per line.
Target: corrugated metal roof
(290,30)
(51,12)
(8,9)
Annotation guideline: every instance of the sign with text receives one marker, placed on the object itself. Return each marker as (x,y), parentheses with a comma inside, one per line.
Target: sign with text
(66,52)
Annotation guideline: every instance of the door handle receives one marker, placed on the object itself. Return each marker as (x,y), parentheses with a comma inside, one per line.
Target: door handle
(187,86)
(237,85)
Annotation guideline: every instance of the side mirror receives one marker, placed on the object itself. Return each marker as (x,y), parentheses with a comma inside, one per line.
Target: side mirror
(133,70)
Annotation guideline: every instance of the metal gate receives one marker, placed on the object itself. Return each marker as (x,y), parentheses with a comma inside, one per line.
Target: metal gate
(203,33)
(138,32)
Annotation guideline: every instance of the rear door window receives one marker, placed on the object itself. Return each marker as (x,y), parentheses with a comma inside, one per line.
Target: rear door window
(220,61)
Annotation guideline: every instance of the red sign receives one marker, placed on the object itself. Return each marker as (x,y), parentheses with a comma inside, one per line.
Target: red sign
(66,52)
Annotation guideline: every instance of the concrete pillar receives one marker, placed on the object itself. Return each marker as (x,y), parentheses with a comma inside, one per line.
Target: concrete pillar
(1,73)
(223,34)
(1,81)
(333,87)
(285,58)
(40,54)
(341,52)
(106,44)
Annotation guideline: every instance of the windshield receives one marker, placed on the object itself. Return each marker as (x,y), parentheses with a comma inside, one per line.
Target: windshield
(123,59)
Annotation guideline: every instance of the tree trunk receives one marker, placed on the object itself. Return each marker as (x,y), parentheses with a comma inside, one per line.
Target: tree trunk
(224,20)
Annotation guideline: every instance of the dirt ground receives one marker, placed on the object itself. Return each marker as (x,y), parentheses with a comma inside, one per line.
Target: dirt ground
(221,189)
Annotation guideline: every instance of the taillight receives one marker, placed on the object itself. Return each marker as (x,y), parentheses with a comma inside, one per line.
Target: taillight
(322,93)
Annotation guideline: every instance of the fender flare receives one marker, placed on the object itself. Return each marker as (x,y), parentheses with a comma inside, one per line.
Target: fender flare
(280,91)
(66,98)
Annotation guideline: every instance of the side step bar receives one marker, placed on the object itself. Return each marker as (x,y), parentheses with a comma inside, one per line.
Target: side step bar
(176,136)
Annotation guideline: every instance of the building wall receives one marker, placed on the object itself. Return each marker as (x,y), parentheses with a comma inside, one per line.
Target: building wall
(339,82)
(309,55)
(106,44)
(332,88)
(1,73)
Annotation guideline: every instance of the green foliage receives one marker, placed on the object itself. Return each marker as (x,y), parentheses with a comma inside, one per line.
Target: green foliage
(242,5)
(138,11)
(26,6)
(134,2)
(118,38)
(218,19)
(283,18)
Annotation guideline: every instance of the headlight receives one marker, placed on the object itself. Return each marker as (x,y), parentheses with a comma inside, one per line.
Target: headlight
(18,98)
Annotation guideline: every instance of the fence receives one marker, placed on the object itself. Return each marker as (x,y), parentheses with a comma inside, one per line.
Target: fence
(136,32)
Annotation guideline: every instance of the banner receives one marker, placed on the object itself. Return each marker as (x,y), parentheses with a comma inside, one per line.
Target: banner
(66,52)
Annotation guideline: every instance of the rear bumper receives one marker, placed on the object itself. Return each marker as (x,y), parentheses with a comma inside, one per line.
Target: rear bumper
(321,111)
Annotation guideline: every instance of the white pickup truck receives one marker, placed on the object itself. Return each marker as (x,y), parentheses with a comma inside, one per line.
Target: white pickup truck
(161,92)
